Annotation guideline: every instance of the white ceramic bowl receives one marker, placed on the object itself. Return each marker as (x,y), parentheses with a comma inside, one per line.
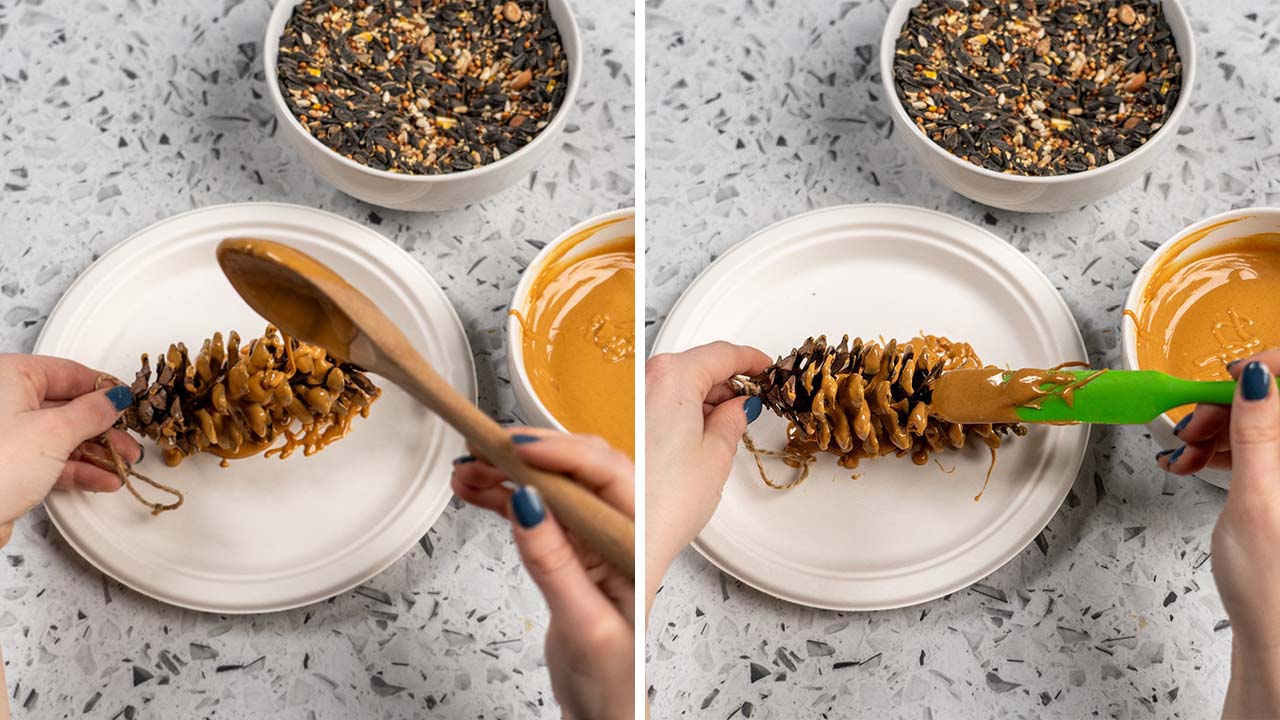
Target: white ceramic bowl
(1035,194)
(532,409)
(1232,224)
(399,191)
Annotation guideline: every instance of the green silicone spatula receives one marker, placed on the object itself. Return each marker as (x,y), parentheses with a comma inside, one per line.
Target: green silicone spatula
(1116,397)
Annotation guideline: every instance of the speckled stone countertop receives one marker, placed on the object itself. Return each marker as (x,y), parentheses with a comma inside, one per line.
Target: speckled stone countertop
(758,110)
(115,114)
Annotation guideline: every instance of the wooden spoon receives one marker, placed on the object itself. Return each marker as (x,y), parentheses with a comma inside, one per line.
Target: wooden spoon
(309,301)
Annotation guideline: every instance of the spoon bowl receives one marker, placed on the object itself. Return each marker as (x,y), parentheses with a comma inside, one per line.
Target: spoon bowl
(301,296)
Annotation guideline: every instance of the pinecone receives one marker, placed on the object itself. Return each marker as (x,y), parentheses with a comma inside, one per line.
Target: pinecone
(236,401)
(864,400)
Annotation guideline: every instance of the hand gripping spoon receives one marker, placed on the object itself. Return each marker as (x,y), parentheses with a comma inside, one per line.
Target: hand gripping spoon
(309,301)
(1057,396)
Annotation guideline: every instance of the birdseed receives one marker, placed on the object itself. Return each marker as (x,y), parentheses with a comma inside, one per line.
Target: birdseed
(422,87)
(1038,87)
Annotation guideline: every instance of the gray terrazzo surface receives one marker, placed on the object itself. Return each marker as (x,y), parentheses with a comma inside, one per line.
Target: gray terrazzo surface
(758,110)
(117,113)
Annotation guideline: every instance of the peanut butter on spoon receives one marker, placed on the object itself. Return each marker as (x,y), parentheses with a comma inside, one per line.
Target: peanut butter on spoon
(995,395)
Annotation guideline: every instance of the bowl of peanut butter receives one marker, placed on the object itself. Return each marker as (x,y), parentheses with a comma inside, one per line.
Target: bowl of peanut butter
(571,332)
(1204,299)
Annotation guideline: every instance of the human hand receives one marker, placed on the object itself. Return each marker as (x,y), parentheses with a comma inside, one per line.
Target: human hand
(693,422)
(1246,540)
(49,408)
(1206,432)
(590,646)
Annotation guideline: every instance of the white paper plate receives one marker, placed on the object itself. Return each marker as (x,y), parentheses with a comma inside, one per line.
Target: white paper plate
(263,534)
(900,534)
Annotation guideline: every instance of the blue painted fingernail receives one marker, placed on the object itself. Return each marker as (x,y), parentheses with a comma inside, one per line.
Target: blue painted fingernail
(526,505)
(1255,381)
(464,459)
(1183,423)
(121,397)
(1173,458)
(1162,453)
(524,439)
(752,408)
(1232,365)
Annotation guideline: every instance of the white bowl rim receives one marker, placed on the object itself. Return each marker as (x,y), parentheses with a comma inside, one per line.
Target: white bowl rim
(515,331)
(1128,336)
(271,47)
(888,46)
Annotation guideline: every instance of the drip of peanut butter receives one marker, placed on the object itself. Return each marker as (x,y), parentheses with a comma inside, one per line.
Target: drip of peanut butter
(995,395)
(248,449)
(1204,308)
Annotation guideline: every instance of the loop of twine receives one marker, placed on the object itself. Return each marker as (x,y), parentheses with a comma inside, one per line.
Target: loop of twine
(788,455)
(123,470)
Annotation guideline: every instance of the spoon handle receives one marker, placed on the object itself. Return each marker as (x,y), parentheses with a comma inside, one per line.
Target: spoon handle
(601,526)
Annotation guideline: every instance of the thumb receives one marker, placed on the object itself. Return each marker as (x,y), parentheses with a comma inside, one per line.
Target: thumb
(85,417)
(552,562)
(724,425)
(1255,433)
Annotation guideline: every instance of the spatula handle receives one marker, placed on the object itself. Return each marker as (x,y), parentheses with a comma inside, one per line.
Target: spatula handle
(1212,392)
(599,525)
(1127,397)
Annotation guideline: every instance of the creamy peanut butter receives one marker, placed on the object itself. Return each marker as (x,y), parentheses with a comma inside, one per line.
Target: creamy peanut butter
(578,338)
(995,395)
(1204,308)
